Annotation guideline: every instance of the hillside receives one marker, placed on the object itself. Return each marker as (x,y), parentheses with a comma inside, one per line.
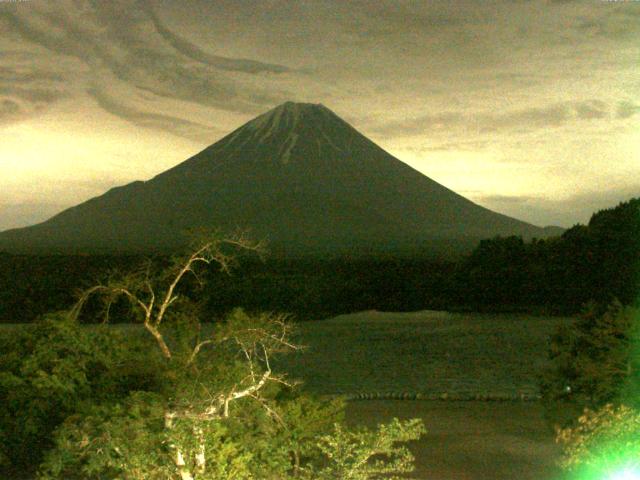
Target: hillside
(299,177)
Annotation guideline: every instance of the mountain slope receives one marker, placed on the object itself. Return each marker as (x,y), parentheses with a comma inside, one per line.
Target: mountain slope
(298,176)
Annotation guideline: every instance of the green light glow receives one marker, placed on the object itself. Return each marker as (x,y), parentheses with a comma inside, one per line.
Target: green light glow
(626,474)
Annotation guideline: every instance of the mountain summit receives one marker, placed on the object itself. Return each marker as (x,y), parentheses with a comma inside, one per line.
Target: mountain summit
(298,176)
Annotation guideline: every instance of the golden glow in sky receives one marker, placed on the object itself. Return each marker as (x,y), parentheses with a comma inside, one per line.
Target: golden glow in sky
(529,108)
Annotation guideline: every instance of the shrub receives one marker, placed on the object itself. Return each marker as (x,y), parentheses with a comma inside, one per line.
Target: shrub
(604,443)
(593,362)
(48,370)
(214,408)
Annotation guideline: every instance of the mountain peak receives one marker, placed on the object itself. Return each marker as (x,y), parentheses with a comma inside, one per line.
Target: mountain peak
(299,176)
(289,114)
(299,106)
(288,126)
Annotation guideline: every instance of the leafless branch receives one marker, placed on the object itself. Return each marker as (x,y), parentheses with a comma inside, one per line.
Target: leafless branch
(196,350)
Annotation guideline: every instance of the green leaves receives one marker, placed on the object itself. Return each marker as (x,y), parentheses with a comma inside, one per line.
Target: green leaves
(168,432)
(50,370)
(602,443)
(365,454)
(593,362)
(103,403)
(114,440)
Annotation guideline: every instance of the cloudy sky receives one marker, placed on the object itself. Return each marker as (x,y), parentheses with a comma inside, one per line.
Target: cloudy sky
(530,108)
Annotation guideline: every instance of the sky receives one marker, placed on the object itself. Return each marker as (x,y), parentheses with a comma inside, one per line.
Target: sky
(528,107)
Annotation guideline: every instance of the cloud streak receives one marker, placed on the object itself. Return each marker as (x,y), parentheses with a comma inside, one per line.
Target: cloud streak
(618,22)
(25,92)
(9,109)
(127,41)
(192,51)
(527,119)
(168,123)
(627,109)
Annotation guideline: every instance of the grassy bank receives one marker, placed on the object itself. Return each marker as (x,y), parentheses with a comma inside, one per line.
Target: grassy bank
(429,354)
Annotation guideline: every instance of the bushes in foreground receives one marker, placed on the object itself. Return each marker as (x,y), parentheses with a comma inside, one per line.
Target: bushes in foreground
(594,361)
(604,444)
(590,392)
(48,371)
(175,404)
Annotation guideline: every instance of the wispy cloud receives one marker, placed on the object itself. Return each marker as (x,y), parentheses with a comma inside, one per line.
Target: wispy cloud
(19,102)
(171,124)
(33,95)
(8,109)
(194,52)
(506,198)
(27,88)
(458,145)
(541,117)
(379,19)
(533,118)
(34,74)
(415,126)
(128,41)
(627,109)
(618,21)
(564,212)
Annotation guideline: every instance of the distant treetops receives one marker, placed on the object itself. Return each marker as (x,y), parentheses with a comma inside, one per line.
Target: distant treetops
(597,262)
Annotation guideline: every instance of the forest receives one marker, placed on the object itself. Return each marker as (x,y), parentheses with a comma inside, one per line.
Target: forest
(594,262)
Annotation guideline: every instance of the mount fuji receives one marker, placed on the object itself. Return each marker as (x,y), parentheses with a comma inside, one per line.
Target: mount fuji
(297,176)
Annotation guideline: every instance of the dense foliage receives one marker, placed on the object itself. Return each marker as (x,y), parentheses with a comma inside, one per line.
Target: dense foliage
(593,362)
(48,371)
(172,400)
(603,444)
(599,262)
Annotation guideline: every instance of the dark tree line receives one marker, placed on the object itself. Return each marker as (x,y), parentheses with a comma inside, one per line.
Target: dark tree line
(309,288)
(32,285)
(596,262)
(315,288)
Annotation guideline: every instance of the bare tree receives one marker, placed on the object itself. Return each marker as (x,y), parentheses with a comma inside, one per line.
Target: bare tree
(152,300)
(252,341)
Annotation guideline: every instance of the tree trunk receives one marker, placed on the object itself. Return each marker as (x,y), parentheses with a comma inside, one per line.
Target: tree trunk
(161,343)
(183,471)
(201,461)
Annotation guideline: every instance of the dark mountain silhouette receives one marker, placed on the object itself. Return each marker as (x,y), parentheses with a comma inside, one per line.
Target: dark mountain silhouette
(298,176)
